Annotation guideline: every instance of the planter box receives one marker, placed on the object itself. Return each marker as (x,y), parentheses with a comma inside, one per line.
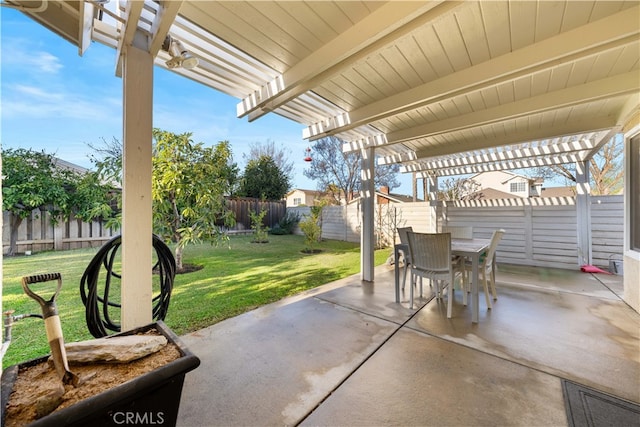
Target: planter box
(151,399)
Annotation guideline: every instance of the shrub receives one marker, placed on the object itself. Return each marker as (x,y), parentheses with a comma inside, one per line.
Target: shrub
(286,224)
(311,228)
(260,232)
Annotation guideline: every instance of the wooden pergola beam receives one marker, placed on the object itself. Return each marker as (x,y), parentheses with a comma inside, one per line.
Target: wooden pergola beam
(132,13)
(166,15)
(585,41)
(382,27)
(496,166)
(579,147)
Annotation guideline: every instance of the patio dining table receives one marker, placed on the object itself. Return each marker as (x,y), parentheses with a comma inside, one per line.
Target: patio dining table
(468,248)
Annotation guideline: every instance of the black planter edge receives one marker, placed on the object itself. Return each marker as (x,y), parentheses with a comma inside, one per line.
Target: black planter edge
(121,393)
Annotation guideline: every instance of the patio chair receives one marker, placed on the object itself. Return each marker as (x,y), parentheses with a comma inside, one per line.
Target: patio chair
(404,239)
(458,232)
(487,266)
(431,259)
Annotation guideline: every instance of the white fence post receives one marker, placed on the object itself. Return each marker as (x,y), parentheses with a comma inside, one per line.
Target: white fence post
(583,214)
(367,234)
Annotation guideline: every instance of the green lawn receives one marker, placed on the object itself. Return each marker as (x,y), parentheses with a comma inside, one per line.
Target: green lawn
(234,279)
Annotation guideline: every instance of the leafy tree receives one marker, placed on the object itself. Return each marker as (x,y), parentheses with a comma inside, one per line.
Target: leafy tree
(332,195)
(279,156)
(108,160)
(32,180)
(89,197)
(337,171)
(263,179)
(189,185)
(108,163)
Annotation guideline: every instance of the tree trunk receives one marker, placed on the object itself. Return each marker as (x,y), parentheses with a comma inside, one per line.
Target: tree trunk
(15,222)
(179,257)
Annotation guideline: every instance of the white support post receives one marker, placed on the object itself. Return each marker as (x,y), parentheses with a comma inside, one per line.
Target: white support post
(433,189)
(432,180)
(583,213)
(414,186)
(136,293)
(367,234)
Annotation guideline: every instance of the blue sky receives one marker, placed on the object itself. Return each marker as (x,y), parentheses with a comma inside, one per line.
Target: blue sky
(54,100)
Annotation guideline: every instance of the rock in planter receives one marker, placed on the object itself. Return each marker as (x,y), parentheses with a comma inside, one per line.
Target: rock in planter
(152,398)
(116,349)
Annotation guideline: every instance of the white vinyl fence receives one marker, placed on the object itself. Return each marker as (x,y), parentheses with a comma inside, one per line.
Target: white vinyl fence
(607,228)
(344,222)
(539,231)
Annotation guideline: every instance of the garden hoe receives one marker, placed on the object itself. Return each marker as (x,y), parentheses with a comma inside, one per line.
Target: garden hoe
(52,326)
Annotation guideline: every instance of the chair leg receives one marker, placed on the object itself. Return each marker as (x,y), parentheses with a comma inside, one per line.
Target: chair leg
(464,286)
(486,289)
(450,297)
(404,278)
(411,292)
(438,287)
(493,282)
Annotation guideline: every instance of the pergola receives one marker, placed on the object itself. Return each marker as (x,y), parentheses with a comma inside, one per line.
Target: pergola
(441,87)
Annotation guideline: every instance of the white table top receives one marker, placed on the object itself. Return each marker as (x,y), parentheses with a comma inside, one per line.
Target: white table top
(469,247)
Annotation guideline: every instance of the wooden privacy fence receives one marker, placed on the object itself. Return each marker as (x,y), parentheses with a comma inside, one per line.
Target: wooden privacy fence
(37,233)
(539,231)
(241,207)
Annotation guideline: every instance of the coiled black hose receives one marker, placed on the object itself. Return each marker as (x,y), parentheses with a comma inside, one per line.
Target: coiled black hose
(99,321)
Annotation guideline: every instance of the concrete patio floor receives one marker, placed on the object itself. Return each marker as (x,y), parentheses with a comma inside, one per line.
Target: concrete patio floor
(346,355)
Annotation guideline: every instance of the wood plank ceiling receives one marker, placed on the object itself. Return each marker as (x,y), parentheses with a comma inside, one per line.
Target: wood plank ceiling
(419,81)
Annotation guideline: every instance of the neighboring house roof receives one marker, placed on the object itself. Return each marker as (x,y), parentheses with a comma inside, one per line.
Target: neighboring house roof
(63,164)
(509,176)
(393,197)
(558,192)
(490,193)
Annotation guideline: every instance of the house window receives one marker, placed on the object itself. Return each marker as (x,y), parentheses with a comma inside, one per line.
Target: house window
(518,187)
(297,201)
(634,193)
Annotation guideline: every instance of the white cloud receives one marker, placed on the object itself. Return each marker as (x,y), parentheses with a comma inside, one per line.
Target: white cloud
(30,102)
(45,62)
(18,55)
(36,93)
(206,125)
